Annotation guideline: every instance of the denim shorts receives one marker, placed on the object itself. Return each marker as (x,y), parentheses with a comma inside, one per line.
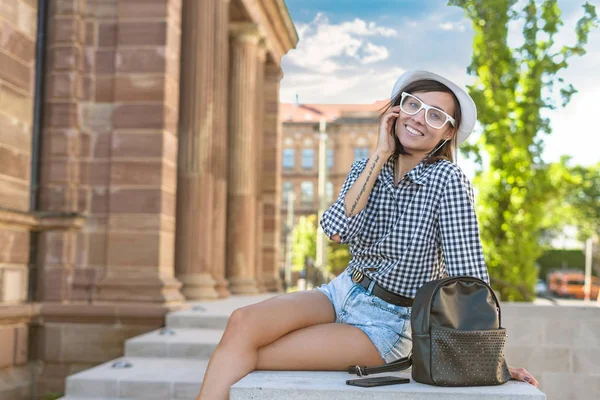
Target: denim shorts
(387,325)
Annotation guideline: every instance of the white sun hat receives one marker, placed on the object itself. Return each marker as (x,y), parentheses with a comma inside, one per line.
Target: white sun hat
(467,105)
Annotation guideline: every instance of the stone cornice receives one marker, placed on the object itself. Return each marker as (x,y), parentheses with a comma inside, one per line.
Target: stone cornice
(289,24)
(275,20)
(41,220)
(246,31)
(125,313)
(107,312)
(274,73)
(18,313)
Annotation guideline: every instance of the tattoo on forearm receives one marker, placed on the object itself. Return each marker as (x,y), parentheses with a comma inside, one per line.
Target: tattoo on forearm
(362,190)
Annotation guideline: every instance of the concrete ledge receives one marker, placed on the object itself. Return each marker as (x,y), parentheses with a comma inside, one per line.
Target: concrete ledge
(296,385)
(211,315)
(174,342)
(147,378)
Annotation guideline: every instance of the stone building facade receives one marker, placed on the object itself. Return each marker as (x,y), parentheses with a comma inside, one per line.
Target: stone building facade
(351,134)
(139,168)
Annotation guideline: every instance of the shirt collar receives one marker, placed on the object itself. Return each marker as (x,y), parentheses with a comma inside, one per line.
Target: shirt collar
(419,174)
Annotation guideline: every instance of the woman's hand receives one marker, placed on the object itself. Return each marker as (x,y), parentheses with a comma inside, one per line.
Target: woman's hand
(521,374)
(385,141)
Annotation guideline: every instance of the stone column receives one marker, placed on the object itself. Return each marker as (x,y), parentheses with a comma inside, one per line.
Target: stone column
(60,158)
(194,234)
(141,155)
(219,164)
(260,116)
(271,179)
(241,189)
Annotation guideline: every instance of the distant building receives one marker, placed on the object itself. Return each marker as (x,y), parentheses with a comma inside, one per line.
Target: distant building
(352,135)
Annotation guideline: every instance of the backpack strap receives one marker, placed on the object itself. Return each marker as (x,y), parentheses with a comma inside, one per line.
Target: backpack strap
(398,365)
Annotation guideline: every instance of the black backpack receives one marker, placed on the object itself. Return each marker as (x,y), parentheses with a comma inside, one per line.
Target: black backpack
(458,339)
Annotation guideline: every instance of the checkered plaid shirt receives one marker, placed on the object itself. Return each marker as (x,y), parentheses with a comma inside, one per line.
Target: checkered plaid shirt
(421,230)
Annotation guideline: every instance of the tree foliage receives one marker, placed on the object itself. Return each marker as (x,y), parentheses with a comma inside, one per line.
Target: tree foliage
(305,246)
(575,202)
(304,241)
(513,86)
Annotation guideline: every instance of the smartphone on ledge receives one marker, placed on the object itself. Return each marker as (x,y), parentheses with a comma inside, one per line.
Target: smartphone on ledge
(378,381)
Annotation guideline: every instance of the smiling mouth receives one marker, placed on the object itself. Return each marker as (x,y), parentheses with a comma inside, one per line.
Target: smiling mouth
(413,131)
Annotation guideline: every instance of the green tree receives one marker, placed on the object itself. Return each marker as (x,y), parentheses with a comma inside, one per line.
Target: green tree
(305,245)
(513,86)
(304,241)
(583,198)
(576,202)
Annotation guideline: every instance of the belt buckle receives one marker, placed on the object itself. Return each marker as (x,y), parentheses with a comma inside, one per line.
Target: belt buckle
(357,276)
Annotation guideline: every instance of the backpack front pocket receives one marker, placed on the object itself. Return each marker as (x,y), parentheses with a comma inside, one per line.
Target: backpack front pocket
(468,357)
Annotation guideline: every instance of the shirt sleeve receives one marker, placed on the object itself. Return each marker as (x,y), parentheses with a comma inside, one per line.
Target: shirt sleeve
(461,244)
(334,219)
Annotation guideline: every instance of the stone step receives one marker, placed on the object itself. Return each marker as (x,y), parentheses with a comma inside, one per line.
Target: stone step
(88,398)
(174,342)
(296,385)
(147,378)
(211,315)
(180,379)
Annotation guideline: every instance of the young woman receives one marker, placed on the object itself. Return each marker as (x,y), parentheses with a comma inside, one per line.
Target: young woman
(407,214)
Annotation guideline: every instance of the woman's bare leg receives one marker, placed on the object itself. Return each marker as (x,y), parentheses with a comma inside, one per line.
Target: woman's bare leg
(326,347)
(252,327)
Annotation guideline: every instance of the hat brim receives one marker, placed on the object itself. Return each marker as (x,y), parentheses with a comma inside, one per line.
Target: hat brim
(467,105)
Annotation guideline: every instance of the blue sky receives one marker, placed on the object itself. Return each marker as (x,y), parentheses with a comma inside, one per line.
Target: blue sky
(353,51)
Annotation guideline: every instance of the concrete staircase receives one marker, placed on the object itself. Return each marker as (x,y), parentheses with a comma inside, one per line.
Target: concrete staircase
(169,364)
(166,364)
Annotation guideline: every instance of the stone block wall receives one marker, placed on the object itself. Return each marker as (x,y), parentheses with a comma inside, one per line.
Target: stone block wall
(17,64)
(115,156)
(17,61)
(559,345)
(110,156)
(77,337)
(91,262)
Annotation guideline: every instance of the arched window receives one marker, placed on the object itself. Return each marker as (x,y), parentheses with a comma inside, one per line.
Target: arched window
(307,192)
(288,158)
(308,156)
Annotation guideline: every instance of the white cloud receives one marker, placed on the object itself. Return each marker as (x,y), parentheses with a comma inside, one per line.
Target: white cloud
(374,53)
(360,27)
(341,63)
(323,46)
(448,26)
(362,87)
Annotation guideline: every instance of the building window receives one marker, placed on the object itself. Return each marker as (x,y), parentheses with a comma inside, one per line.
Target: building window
(308,156)
(329,192)
(329,158)
(307,192)
(288,158)
(286,189)
(360,153)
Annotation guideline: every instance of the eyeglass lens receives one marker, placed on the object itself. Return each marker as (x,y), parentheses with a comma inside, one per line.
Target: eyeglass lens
(411,105)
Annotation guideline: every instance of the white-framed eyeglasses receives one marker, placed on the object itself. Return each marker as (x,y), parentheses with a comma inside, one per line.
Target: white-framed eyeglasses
(434,117)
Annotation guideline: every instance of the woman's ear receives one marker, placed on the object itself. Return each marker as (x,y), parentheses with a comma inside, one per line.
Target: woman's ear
(450,134)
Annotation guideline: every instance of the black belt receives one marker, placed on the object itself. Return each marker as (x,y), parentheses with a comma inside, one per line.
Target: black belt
(396,299)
